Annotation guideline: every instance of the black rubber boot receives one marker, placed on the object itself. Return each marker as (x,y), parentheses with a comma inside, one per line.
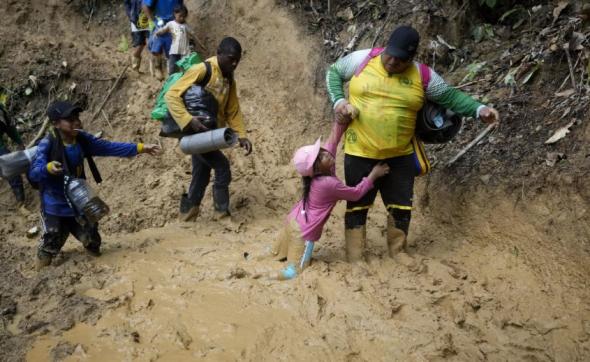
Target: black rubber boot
(43,260)
(221,200)
(188,211)
(19,194)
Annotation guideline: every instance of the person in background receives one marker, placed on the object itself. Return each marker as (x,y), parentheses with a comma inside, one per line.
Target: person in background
(140,31)
(181,34)
(16,182)
(159,12)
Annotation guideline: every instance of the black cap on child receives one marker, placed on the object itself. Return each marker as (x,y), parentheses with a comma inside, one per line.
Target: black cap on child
(62,110)
(403,42)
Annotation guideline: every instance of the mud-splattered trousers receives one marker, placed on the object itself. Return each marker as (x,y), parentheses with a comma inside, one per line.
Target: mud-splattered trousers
(396,188)
(202,166)
(57,229)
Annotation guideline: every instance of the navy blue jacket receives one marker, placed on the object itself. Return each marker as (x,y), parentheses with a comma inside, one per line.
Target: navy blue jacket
(52,186)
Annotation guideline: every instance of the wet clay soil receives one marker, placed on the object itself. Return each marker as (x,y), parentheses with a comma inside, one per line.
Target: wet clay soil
(492,276)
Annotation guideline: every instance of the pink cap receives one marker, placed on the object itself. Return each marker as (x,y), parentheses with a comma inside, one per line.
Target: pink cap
(305,157)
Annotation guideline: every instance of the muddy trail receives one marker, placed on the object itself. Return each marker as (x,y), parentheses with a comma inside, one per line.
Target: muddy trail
(500,268)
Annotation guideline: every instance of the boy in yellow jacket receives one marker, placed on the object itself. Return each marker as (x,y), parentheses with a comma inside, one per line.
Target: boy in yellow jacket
(222,86)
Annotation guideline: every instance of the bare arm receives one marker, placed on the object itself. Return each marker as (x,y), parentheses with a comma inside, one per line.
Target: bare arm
(165,29)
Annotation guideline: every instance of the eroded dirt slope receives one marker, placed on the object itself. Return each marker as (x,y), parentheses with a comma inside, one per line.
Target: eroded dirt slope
(499,275)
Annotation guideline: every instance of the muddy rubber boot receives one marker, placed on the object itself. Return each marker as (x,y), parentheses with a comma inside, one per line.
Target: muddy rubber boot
(396,238)
(280,247)
(135,63)
(93,250)
(188,211)
(221,203)
(156,67)
(355,240)
(396,243)
(298,258)
(22,209)
(42,261)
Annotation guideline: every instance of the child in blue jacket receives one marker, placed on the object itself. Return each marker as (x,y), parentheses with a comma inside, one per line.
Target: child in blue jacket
(63,152)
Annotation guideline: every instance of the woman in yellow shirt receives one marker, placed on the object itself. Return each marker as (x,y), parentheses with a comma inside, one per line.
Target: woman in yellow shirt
(388,91)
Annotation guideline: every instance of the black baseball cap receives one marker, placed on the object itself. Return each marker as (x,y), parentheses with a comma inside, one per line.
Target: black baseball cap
(62,110)
(403,42)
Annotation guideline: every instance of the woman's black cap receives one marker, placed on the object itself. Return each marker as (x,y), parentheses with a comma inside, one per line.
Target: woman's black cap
(403,42)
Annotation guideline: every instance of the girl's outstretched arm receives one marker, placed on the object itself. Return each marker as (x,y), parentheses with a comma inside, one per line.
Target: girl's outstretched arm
(331,143)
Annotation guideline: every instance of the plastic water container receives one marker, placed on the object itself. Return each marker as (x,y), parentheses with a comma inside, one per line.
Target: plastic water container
(16,163)
(86,200)
(208,141)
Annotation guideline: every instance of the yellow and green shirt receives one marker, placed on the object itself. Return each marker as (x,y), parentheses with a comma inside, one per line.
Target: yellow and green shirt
(224,91)
(388,104)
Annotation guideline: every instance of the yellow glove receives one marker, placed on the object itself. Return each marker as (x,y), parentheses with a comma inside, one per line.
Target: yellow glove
(54,168)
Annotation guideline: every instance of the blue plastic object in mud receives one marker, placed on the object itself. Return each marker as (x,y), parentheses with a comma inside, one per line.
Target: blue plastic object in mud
(289,272)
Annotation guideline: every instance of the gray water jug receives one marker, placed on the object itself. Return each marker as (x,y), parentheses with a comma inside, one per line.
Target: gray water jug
(16,163)
(208,141)
(86,200)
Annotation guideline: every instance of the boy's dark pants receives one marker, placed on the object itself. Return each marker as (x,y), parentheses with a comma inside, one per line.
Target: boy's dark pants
(56,230)
(172,59)
(202,165)
(16,182)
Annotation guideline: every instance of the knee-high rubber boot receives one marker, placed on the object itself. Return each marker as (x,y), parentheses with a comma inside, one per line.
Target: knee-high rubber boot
(280,246)
(298,258)
(156,67)
(188,211)
(221,200)
(135,63)
(355,240)
(396,238)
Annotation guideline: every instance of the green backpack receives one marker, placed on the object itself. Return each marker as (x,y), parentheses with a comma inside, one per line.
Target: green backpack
(160,109)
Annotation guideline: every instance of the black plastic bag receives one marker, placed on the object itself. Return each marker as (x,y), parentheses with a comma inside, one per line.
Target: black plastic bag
(198,102)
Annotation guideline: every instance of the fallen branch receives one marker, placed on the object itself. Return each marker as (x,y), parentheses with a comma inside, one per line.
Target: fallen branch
(106,98)
(571,66)
(569,75)
(460,86)
(313,8)
(378,32)
(106,118)
(472,143)
(90,18)
(41,133)
(355,39)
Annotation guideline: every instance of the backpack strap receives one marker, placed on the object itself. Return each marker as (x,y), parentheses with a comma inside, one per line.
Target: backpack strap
(91,164)
(207,78)
(424,75)
(372,54)
(57,153)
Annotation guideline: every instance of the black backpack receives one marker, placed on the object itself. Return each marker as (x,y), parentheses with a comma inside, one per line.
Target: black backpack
(198,102)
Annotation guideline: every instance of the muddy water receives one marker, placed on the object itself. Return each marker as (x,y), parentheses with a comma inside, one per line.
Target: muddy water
(189,292)
(184,292)
(178,300)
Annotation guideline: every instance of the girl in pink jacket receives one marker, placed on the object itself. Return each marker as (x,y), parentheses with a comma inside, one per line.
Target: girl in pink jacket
(321,190)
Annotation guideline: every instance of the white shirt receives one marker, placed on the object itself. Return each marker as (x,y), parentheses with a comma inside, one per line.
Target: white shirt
(179,37)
